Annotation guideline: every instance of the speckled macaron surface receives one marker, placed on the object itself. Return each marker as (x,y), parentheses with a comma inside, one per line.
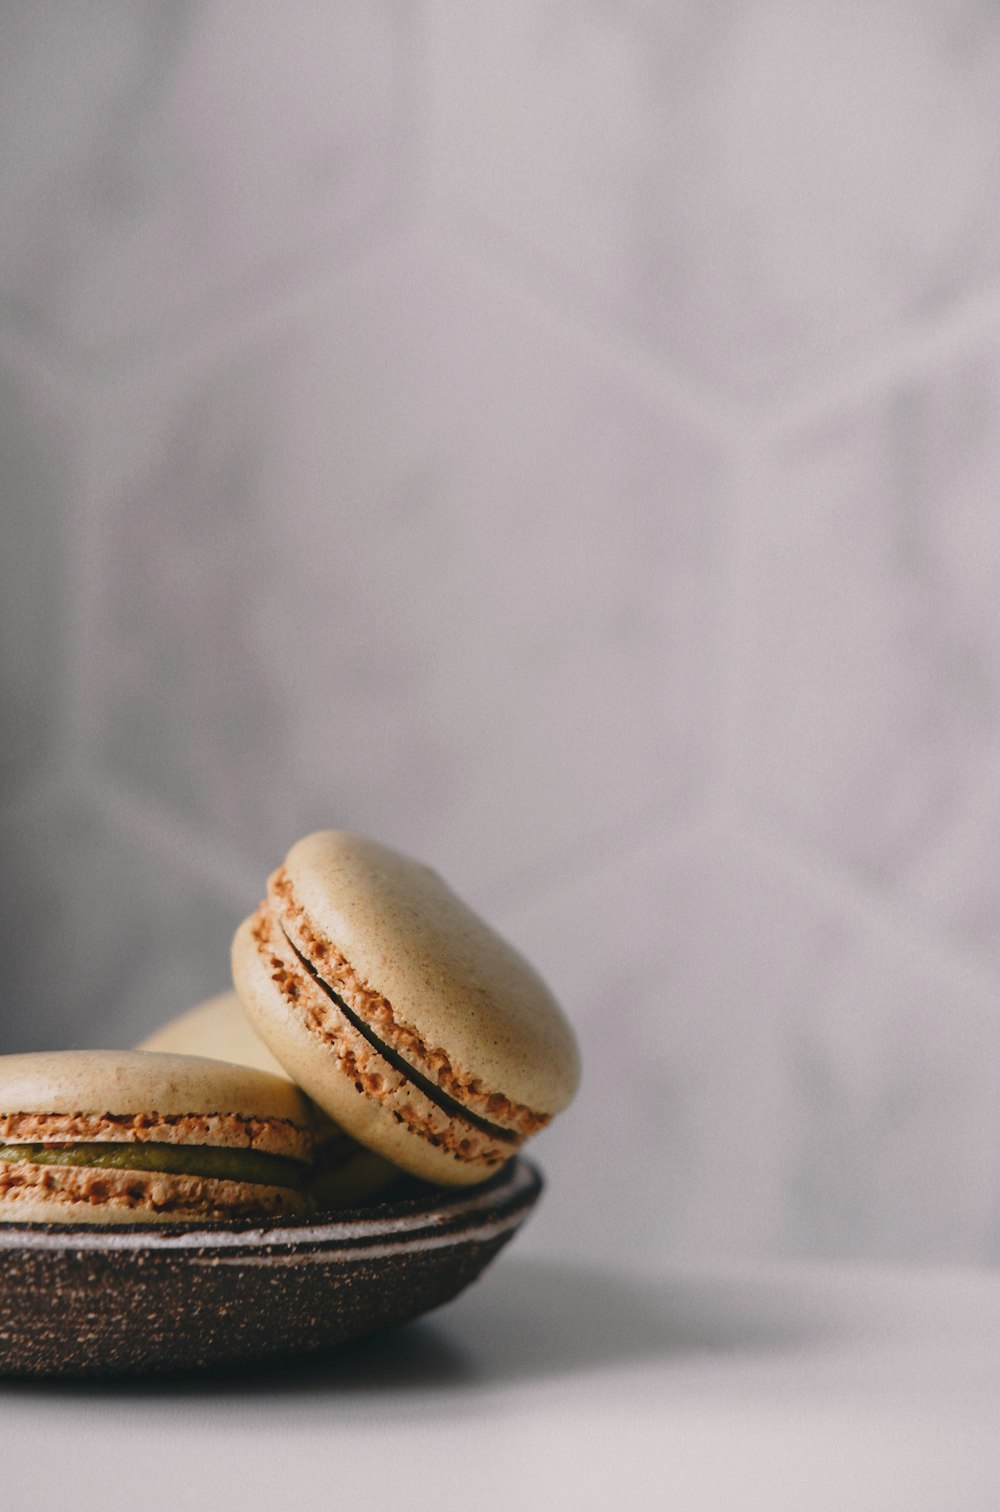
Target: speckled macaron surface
(402,1013)
(113,1137)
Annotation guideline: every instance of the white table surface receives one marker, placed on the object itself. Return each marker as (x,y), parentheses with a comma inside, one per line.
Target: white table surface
(549,1385)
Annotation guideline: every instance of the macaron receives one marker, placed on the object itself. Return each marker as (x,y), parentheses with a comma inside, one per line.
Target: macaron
(343,1173)
(131,1136)
(415,1026)
(219,1029)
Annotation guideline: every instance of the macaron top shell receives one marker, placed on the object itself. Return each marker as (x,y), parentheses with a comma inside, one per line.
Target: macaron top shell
(443,973)
(125,1083)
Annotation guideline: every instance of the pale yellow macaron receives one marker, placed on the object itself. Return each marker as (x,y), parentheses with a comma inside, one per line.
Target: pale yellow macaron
(130,1136)
(219,1029)
(403,1015)
(343,1173)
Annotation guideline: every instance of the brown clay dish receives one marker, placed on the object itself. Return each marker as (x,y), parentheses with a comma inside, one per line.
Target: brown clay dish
(80,1301)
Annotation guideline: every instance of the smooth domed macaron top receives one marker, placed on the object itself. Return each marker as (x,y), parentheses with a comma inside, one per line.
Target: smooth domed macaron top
(128,1082)
(218,1029)
(444,972)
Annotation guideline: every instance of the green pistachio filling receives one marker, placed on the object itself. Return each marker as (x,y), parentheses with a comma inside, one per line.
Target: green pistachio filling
(215,1162)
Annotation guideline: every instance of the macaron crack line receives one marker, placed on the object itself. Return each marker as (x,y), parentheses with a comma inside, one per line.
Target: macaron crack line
(372,1009)
(449,1105)
(405,1017)
(362,1067)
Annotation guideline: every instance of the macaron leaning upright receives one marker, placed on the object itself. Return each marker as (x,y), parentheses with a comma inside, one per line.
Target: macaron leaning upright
(129,1136)
(407,1019)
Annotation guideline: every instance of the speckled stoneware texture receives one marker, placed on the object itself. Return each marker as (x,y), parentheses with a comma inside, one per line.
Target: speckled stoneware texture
(88,1301)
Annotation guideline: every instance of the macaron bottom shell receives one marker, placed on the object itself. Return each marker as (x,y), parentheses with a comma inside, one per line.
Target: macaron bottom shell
(94,1215)
(99,1195)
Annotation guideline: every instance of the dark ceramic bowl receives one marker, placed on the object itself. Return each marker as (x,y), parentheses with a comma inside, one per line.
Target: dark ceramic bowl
(91,1301)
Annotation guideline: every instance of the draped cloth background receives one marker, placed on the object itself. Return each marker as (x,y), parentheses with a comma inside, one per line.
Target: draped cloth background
(562,441)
